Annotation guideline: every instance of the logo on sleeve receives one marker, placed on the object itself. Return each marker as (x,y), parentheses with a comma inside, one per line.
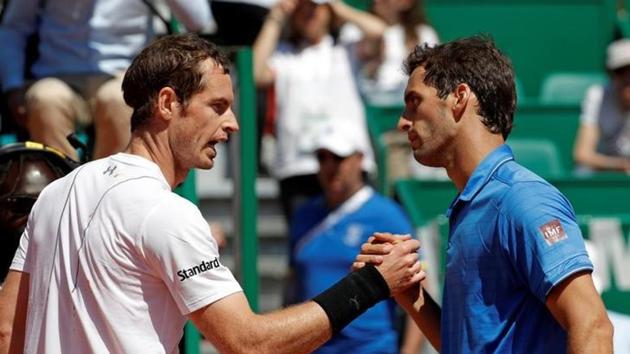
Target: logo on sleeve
(204,266)
(553,232)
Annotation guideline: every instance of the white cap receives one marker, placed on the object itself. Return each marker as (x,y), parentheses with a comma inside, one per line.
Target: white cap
(618,54)
(340,138)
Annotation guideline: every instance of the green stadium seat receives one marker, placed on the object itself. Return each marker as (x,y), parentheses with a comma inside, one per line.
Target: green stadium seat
(539,155)
(568,87)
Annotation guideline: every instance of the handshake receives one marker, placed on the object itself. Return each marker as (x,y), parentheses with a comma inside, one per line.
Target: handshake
(396,259)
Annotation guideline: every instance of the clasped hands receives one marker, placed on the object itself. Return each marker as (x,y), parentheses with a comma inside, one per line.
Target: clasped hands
(396,258)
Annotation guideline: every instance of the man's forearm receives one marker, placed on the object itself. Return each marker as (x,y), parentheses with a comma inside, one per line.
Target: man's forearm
(13,302)
(426,313)
(591,338)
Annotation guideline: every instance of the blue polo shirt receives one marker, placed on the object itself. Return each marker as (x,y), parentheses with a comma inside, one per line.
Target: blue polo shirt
(322,255)
(513,237)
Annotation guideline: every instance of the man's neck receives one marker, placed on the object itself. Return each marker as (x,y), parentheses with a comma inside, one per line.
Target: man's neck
(333,202)
(468,155)
(154,147)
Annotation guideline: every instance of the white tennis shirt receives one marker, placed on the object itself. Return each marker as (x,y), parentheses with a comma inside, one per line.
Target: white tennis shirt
(116,261)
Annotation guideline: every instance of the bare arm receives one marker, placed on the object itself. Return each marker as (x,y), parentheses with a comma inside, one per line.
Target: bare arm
(13,303)
(267,40)
(585,152)
(413,337)
(233,328)
(371,26)
(424,311)
(577,306)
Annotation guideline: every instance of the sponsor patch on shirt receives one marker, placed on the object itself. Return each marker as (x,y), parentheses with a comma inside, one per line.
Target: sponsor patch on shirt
(553,232)
(204,266)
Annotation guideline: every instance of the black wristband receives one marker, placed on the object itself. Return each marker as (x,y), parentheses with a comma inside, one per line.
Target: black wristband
(352,295)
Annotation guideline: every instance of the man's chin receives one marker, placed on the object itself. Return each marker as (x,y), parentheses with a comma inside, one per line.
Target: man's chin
(425,160)
(205,164)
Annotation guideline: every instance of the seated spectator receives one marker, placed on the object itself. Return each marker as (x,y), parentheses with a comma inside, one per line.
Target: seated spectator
(25,169)
(84,48)
(603,139)
(381,76)
(327,232)
(313,85)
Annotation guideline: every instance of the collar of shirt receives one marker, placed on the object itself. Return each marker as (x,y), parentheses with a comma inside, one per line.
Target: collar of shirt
(482,174)
(126,158)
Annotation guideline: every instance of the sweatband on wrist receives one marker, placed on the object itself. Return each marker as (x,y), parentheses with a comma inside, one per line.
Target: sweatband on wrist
(352,295)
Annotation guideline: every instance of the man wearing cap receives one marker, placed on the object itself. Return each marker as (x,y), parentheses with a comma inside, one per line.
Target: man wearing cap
(327,231)
(312,76)
(603,139)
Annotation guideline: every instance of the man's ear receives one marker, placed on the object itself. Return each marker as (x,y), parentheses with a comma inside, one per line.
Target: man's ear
(167,103)
(461,99)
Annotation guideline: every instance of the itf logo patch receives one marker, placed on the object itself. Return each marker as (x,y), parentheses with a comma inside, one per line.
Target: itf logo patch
(553,232)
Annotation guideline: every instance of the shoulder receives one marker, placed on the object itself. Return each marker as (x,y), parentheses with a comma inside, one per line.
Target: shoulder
(383,210)
(526,192)
(350,33)
(172,211)
(284,49)
(313,208)
(381,204)
(174,223)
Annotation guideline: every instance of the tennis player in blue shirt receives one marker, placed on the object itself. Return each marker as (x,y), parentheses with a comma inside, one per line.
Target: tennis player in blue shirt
(518,278)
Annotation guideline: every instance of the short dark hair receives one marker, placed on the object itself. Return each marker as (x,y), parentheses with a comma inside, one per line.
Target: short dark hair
(476,62)
(170,61)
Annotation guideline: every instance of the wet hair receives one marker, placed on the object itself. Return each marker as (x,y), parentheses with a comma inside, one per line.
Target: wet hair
(170,61)
(477,62)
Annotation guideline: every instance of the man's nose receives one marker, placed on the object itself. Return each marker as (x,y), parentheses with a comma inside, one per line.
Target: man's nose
(230,125)
(403,124)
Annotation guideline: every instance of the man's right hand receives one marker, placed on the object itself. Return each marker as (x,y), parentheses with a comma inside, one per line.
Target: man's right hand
(377,246)
(376,250)
(399,266)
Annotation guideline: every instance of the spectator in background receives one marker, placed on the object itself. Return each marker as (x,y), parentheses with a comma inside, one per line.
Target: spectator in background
(603,139)
(313,85)
(84,48)
(382,80)
(326,234)
(238,24)
(381,76)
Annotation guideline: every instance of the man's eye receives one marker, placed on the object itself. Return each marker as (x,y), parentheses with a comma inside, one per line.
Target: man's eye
(219,108)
